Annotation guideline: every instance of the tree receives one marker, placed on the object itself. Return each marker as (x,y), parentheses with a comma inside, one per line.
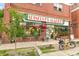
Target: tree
(14,29)
(1,23)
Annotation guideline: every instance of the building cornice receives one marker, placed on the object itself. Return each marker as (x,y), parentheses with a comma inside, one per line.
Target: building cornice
(75,9)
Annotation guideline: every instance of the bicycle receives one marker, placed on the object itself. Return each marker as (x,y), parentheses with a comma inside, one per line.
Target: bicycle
(71,44)
(68,45)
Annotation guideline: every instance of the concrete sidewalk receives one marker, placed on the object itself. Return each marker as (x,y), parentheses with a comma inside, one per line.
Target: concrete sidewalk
(26,44)
(38,43)
(63,53)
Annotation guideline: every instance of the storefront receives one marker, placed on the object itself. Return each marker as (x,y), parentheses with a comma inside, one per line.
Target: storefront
(42,27)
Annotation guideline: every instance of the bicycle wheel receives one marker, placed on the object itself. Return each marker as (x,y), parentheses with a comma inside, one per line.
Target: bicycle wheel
(71,44)
(61,46)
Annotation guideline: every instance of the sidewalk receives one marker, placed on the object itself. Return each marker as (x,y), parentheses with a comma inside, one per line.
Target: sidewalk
(38,43)
(26,44)
(63,53)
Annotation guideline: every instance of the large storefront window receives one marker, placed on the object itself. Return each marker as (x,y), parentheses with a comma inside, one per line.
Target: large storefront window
(34,29)
(62,31)
(40,27)
(53,31)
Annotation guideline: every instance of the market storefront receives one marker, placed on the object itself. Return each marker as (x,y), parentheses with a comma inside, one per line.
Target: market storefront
(43,28)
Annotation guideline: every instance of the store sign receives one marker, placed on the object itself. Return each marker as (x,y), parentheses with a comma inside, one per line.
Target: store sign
(45,19)
(66,23)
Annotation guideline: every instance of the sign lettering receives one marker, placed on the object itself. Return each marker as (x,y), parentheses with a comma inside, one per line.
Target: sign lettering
(44,19)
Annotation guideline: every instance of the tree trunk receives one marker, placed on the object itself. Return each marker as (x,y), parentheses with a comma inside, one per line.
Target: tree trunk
(0,38)
(14,38)
(15,44)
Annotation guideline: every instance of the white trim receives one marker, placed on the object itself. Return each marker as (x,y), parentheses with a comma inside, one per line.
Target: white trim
(75,9)
(40,4)
(66,23)
(69,4)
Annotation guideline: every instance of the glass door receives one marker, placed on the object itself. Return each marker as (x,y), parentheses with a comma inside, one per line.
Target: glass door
(49,32)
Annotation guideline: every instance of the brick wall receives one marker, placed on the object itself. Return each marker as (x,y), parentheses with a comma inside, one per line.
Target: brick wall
(46,9)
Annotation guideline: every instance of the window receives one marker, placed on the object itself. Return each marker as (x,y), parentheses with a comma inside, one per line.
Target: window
(37,4)
(58,6)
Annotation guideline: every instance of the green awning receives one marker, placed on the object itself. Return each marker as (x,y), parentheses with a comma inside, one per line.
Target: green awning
(25,18)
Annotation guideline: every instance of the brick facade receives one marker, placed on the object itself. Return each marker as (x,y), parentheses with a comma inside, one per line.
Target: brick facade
(46,9)
(75,19)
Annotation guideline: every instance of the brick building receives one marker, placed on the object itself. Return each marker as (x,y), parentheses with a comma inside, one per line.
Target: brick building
(47,15)
(75,19)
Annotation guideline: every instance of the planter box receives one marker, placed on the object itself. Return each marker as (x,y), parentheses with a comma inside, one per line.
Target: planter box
(18,39)
(28,39)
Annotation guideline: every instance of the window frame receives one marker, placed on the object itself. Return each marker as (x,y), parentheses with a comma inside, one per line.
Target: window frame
(38,4)
(58,7)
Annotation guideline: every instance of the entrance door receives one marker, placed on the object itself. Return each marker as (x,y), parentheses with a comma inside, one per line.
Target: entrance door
(49,32)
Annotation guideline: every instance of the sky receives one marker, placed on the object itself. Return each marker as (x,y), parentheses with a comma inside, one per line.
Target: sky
(1,5)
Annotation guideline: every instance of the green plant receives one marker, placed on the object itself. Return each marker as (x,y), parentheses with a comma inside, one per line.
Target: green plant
(19,52)
(1,13)
(14,28)
(15,20)
(47,48)
(3,53)
(1,23)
